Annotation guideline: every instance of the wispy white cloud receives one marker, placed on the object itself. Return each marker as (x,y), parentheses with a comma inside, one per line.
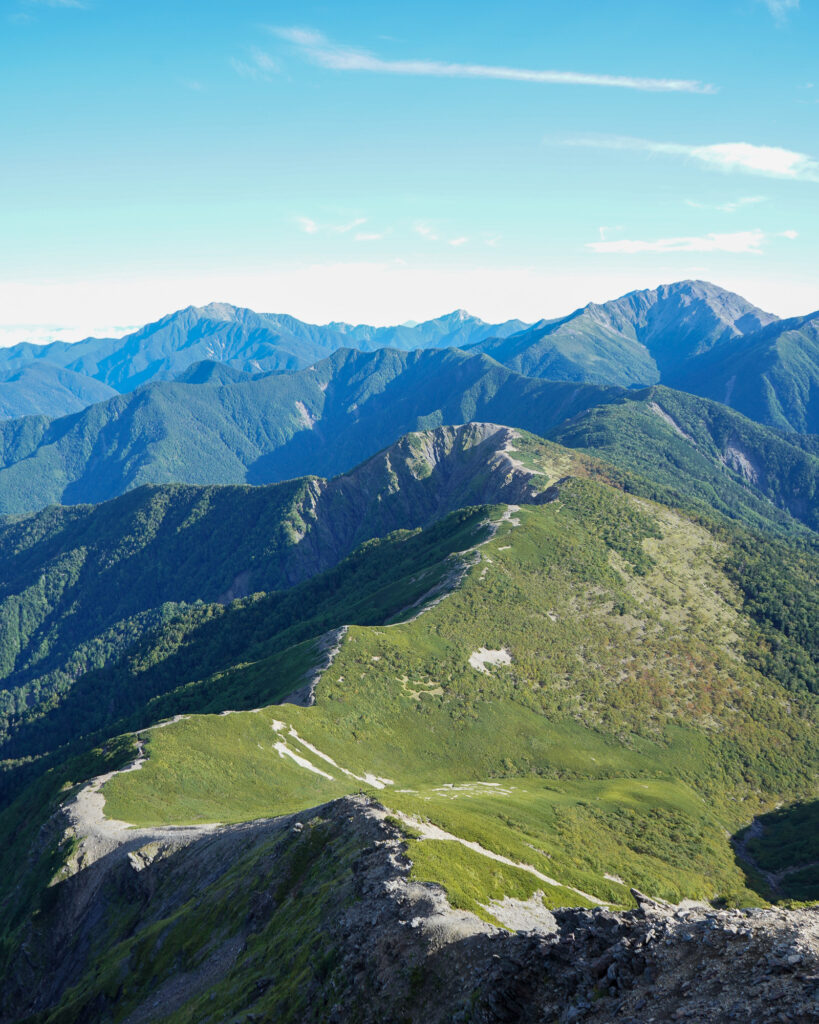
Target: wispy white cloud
(426,231)
(260,67)
(243,69)
(312,227)
(433,234)
(768,161)
(263,60)
(730,207)
(780,8)
(306,37)
(737,242)
(327,54)
(342,229)
(790,233)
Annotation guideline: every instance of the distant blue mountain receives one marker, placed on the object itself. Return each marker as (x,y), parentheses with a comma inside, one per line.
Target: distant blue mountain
(249,342)
(639,338)
(42,389)
(771,376)
(691,335)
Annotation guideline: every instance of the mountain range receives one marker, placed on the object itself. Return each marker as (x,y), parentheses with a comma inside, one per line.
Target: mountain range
(449,672)
(771,375)
(323,420)
(250,342)
(641,338)
(692,336)
(216,426)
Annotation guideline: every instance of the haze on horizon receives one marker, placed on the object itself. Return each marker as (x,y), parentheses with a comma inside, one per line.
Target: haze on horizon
(377,165)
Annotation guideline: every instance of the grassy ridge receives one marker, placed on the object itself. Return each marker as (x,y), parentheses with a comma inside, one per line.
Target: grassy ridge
(179,641)
(627,683)
(631,734)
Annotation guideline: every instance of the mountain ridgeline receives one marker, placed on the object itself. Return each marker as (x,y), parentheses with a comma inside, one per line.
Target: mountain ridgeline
(702,455)
(771,376)
(218,427)
(641,338)
(249,342)
(691,335)
(554,691)
(83,584)
(322,420)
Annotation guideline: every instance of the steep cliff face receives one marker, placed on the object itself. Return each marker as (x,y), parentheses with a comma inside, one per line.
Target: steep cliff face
(308,917)
(314,917)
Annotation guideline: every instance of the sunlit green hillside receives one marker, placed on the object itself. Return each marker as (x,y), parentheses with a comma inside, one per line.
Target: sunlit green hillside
(582,704)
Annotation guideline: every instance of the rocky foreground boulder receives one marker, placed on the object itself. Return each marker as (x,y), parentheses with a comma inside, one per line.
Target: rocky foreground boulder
(313,917)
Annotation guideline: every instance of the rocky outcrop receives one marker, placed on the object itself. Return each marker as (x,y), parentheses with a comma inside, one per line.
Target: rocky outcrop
(313,917)
(658,963)
(741,462)
(411,484)
(327,647)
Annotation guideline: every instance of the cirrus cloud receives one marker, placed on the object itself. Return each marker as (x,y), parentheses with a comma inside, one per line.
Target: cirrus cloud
(730,207)
(768,161)
(322,51)
(312,227)
(734,242)
(78,4)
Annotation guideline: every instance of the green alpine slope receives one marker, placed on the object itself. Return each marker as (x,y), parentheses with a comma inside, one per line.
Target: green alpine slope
(322,420)
(641,338)
(83,585)
(771,376)
(40,389)
(590,678)
(555,700)
(696,453)
(692,336)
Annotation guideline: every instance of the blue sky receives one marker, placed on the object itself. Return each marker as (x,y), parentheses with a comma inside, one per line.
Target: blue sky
(375,162)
